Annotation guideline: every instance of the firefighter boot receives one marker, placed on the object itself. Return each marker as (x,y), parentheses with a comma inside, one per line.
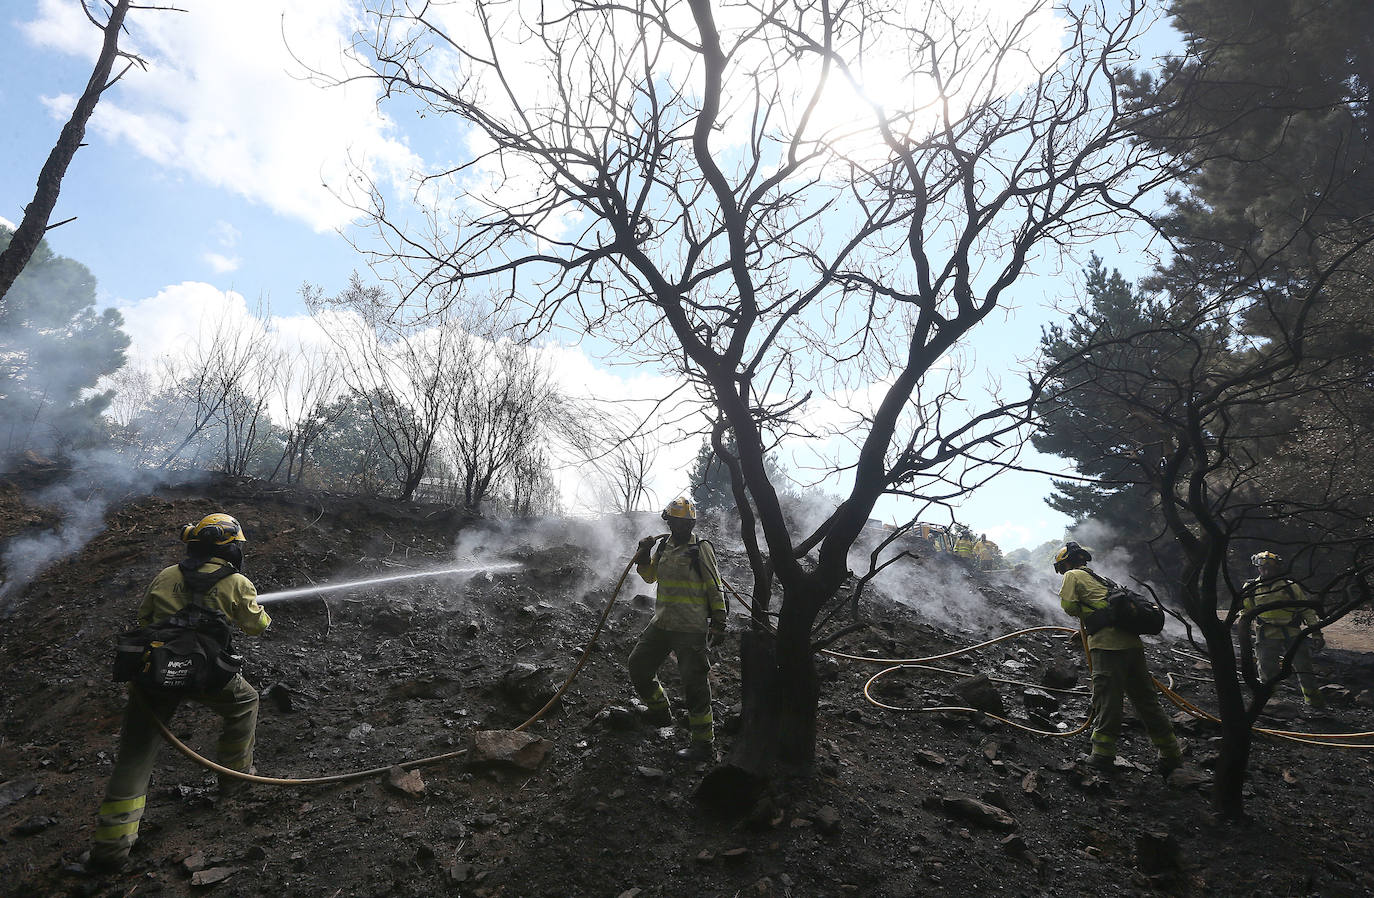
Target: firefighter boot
(1103,764)
(698,753)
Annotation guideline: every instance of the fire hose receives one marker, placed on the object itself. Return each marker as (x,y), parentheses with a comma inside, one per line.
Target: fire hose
(200,759)
(922,663)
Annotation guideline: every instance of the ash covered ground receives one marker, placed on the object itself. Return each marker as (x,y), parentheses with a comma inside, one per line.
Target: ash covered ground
(899,804)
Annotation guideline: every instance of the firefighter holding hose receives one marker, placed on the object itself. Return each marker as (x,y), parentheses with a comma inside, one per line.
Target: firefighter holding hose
(689,616)
(210,577)
(1278,626)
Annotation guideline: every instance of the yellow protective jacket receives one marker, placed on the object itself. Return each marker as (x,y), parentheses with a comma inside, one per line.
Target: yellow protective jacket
(689,596)
(1080,595)
(235,595)
(1258,592)
(963,548)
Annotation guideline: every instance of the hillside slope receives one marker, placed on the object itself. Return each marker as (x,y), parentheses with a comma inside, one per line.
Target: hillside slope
(411,669)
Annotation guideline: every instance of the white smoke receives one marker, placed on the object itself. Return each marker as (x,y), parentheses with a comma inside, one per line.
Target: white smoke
(97,480)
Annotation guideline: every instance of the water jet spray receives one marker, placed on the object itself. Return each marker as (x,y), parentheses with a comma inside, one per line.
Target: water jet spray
(285,594)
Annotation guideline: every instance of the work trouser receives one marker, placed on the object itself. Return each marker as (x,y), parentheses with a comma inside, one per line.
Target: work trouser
(1120,674)
(693,666)
(139,741)
(1270,643)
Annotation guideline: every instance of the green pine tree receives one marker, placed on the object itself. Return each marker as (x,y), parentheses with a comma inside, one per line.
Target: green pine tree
(54,347)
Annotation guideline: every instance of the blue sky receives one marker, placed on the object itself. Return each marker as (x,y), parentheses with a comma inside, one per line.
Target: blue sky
(201,184)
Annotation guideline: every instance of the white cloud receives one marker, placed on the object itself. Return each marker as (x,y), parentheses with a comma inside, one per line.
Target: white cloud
(226,234)
(223,264)
(224,100)
(6,223)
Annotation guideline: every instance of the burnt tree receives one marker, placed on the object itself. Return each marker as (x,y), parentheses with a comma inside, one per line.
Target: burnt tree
(785,205)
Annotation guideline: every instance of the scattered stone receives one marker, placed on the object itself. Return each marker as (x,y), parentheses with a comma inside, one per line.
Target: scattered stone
(735,854)
(17,789)
(406,782)
(618,719)
(507,747)
(392,618)
(1059,676)
(827,820)
(929,758)
(1187,778)
(194,863)
(1156,852)
(630,893)
(32,826)
(529,686)
(979,693)
(1364,699)
(213,875)
(996,799)
(979,813)
(1014,845)
(360,732)
(705,856)
(990,749)
(1334,692)
(460,872)
(652,773)
(1039,701)
(280,696)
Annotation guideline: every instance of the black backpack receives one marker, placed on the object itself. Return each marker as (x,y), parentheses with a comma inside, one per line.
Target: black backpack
(192,651)
(1126,610)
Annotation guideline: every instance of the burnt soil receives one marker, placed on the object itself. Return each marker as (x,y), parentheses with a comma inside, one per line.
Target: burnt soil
(372,677)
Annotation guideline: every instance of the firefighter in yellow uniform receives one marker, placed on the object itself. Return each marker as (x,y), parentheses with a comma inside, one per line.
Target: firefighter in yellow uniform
(211,545)
(963,546)
(1276,628)
(1118,668)
(689,615)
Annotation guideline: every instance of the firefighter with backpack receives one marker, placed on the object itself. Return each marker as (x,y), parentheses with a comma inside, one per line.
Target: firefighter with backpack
(1277,627)
(1118,668)
(210,578)
(689,616)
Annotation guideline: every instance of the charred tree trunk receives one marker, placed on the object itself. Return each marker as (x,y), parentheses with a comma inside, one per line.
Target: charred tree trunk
(1236,739)
(801,690)
(781,690)
(34,225)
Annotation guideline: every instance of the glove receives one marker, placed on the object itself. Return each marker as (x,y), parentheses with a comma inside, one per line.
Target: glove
(644,556)
(716,634)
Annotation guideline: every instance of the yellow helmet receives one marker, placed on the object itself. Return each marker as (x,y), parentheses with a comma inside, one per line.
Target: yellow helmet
(1261,557)
(682,508)
(1072,555)
(217,529)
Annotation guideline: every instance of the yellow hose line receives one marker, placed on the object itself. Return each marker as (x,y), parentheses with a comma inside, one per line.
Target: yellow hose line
(882,673)
(1318,739)
(586,651)
(285,781)
(951,654)
(200,759)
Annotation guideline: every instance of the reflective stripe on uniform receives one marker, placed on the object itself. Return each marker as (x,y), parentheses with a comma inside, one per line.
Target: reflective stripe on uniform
(110,808)
(115,831)
(702,727)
